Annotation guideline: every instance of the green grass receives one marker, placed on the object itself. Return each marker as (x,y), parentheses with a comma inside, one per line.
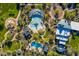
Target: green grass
(74,43)
(5,10)
(52,53)
(15,46)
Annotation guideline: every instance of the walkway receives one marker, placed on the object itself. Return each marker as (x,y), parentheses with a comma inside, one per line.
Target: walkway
(5,36)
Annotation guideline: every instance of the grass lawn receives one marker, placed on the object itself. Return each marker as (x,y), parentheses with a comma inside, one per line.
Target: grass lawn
(5,12)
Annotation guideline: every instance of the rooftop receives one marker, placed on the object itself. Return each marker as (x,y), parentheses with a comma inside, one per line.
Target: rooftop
(36,12)
(69,24)
(61,48)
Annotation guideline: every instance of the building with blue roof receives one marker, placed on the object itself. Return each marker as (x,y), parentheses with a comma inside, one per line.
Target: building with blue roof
(62,35)
(26,33)
(66,24)
(64,28)
(36,23)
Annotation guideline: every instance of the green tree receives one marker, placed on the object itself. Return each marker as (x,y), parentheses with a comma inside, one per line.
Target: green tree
(70,15)
(39,6)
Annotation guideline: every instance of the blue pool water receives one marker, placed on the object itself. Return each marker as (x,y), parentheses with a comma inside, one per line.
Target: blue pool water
(36,44)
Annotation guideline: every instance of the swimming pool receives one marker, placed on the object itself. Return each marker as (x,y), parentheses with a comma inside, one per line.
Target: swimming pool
(36,44)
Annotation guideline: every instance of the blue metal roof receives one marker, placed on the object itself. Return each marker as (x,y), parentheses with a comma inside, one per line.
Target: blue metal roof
(36,12)
(62,33)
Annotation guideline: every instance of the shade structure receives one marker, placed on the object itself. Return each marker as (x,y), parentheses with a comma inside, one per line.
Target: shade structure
(36,13)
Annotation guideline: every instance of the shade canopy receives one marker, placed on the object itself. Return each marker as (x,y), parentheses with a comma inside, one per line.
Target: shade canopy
(36,13)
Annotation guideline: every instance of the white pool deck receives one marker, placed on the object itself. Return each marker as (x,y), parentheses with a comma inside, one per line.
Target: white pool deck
(38,21)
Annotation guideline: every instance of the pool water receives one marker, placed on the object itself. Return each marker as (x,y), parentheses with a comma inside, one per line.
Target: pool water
(36,44)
